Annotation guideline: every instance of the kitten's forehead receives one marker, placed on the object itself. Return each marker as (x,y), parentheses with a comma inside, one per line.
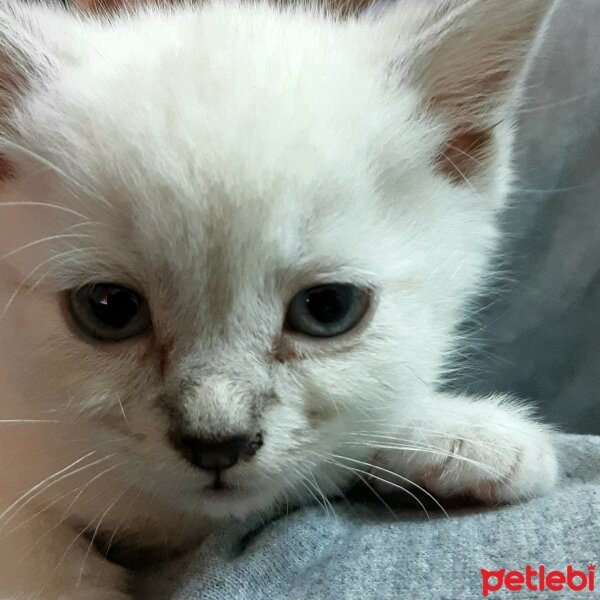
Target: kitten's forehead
(234,255)
(237,146)
(251,127)
(245,84)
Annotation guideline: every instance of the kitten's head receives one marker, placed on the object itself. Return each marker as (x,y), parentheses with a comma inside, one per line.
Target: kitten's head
(237,238)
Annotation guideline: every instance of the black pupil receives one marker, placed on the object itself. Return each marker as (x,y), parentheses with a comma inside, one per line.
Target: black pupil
(328,305)
(114,307)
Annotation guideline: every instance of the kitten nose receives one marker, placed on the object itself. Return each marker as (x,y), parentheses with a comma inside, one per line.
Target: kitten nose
(219,454)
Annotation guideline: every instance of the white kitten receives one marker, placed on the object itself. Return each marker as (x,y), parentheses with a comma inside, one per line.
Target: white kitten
(236,241)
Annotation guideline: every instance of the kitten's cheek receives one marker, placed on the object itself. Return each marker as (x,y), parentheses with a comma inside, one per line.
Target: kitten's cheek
(30,319)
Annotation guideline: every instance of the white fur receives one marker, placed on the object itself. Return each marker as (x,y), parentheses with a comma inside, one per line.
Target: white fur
(220,158)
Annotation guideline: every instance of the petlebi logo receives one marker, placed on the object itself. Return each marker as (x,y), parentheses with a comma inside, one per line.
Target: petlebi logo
(538,579)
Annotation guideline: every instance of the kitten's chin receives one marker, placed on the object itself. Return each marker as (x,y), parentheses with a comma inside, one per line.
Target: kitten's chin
(234,503)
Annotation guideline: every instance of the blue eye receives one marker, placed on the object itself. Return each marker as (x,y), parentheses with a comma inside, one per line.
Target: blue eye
(109,312)
(327,310)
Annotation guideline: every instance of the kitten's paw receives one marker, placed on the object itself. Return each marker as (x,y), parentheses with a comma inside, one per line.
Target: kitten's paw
(504,459)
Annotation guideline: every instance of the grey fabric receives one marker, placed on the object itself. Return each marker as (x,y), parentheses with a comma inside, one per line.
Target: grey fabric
(367,553)
(540,332)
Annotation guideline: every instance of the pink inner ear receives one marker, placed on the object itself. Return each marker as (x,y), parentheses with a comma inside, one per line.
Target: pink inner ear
(463,155)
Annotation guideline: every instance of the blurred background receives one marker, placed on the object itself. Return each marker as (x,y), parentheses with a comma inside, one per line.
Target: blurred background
(538,328)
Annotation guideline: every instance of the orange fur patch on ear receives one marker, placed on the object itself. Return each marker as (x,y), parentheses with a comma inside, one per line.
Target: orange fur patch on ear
(463,155)
(99,6)
(111,6)
(346,7)
(7,170)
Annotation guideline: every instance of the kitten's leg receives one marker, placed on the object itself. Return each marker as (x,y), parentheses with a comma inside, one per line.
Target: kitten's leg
(487,448)
(44,560)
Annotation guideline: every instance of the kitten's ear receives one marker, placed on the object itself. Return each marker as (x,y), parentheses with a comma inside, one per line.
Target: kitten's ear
(34,40)
(21,59)
(466,56)
(33,43)
(101,6)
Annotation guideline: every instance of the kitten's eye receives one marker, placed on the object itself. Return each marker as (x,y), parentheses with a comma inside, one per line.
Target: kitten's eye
(109,312)
(327,310)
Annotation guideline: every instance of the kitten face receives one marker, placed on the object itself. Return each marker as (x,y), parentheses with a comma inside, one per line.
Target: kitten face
(219,163)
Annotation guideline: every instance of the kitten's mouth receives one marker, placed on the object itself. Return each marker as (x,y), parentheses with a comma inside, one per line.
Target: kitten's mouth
(219,486)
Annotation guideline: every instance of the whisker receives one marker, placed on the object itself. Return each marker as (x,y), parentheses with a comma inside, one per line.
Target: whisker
(12,146)
(557,103)
(305,483)
(120,524)
(325,499)
(122,410)
(380,497)
(401,477)
(507,427)
(94,535)
(53,482)
(46,205)
(397,486)
(67,512)
(469,156)
(571,188)
(398,447)
(338,491)
(68,549)
(44,240)
(422,443)
(26,421)
(37,486)
(24,282)
(55,257)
